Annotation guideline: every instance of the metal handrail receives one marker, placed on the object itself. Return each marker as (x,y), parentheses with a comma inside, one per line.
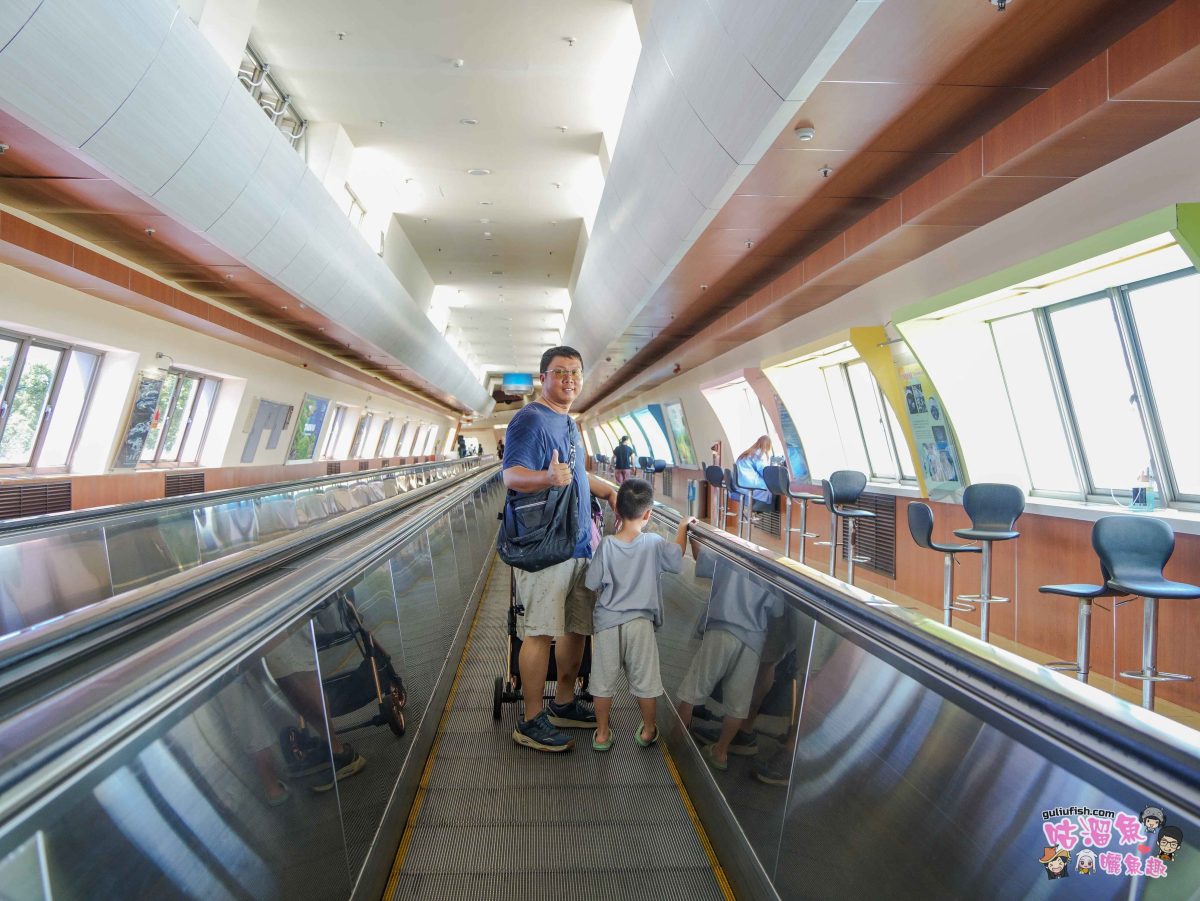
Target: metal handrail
(224,495)
(44,745)
(26,654)
(1123,742)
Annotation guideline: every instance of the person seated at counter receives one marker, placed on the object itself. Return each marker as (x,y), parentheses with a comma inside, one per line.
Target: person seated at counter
(750,465)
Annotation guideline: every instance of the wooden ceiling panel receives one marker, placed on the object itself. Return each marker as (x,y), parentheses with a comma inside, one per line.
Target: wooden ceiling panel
(1160,59)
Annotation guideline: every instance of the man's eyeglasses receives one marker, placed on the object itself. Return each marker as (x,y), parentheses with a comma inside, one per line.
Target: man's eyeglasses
(564,374)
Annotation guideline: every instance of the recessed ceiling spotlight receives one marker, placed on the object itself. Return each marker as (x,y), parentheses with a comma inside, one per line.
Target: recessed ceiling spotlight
(485,203)
(825,172)
(468,121)
(479,172)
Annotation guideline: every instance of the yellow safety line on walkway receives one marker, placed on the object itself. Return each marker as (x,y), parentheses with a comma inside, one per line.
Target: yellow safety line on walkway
(406,838)
(718,871)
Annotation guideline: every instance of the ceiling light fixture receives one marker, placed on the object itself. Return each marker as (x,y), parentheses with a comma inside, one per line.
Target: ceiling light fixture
(805,132)
(341,35)
(458,63)
(825,172)
(570,41)
(479,172)
(468,121)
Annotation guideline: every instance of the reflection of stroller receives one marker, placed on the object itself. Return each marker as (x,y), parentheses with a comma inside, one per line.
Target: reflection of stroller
(374,680)
(508,688)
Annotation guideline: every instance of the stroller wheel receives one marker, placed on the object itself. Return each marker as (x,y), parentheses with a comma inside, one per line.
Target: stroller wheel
(392,708)
(497,697)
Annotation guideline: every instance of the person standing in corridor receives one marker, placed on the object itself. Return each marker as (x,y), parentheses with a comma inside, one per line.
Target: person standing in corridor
(540,440)
(623,459)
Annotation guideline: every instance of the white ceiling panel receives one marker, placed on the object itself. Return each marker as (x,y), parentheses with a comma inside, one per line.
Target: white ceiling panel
(309,263)
(13,16)
(280,245)
(75,61)
(213,177)
(257,208)
(163,121)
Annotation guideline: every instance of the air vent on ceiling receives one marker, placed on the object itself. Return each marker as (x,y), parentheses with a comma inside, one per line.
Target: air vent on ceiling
(333,469)
(183,483)
(876,537)
(35,499)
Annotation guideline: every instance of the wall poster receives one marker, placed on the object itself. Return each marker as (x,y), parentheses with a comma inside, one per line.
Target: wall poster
(685,451)
(937,446)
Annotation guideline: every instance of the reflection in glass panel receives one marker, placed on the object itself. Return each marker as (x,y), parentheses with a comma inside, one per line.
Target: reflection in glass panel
(151,547)
(1167,315)
(1031,397)
(308,427)
(854,454)
(23,417)
(659,446)
(42,578)
(68,409)
(1101,394)
(225,528)
(868,405)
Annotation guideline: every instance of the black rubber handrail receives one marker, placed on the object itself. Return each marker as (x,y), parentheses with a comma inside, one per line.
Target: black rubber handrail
(1125,743)
(48,743)
(222,496)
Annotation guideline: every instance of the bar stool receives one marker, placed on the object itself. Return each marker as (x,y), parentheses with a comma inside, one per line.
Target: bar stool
(779,483)
(1086,593)
(844,487)
(742,496)
(993,508)
(1133,551)
(716,478)
(920,526)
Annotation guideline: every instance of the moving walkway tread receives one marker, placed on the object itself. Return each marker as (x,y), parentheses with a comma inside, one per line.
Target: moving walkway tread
(499,820)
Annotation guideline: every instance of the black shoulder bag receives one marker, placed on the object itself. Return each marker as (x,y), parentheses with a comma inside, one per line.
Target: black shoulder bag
(540,529)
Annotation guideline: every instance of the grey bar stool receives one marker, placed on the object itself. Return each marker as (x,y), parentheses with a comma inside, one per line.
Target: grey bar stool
(1133,550)
(779,483)
(920,526)
(1085,592)
(716,478)
(741,495)
(844,487)
(993,508)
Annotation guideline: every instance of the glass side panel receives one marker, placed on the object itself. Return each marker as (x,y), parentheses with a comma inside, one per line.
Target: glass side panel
(43,578)
(69,409)
(1167,315)
(225,528)
(151,547)
(659,446)
(24,417)
(1101,394)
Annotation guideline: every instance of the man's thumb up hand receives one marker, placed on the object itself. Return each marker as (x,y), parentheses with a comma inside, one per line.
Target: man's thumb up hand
(560,473)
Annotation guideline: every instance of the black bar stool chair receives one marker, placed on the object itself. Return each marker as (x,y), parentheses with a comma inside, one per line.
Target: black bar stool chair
(741,495)
(844,487)
(1133,551)
(779,483)
(716,478)
(920,526)
(993,508)
(646,464)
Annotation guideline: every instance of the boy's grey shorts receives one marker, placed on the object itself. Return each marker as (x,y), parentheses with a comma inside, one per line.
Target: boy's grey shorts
(630,646)
(726,659)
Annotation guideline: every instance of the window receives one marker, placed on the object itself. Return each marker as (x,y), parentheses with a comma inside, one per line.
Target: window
(741,415)
(430,441)
(407,436)
(358,447)
(1103,389)
(355,211)
(641,447)
(660,448)
(334,439)
(588,443)
(385,434)
(44,391)
(308,427)
(180,418)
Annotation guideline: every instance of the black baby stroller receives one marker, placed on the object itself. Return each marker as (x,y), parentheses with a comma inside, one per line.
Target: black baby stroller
(373,681)
(508,688)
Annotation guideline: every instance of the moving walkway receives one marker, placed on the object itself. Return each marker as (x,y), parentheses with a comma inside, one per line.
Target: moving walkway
(920,762)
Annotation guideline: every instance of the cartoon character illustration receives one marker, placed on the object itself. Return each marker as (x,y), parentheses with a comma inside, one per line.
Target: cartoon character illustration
(1169,842)
(1152,818)
(1085,862)
(1055,861)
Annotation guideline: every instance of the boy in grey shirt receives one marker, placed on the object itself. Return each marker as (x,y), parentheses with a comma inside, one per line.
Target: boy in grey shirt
(624,574)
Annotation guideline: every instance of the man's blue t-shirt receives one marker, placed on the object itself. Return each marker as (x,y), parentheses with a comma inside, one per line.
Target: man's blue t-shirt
(623,456)
(532,434)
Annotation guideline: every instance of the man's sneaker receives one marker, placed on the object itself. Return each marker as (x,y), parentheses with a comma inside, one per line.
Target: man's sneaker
(347,763)
(705,733)
(538,734)
(744,743)
(572,715)
(776,769)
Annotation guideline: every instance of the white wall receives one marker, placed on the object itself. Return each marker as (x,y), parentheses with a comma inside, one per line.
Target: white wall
(131,340)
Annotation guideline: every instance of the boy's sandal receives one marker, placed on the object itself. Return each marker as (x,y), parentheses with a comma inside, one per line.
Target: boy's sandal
(642,743)
(605,745)
(719,765)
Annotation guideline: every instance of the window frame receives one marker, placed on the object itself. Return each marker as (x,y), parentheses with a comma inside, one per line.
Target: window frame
(300,423)
(894,449)
(181,374)
(9,388)
(1119,300)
